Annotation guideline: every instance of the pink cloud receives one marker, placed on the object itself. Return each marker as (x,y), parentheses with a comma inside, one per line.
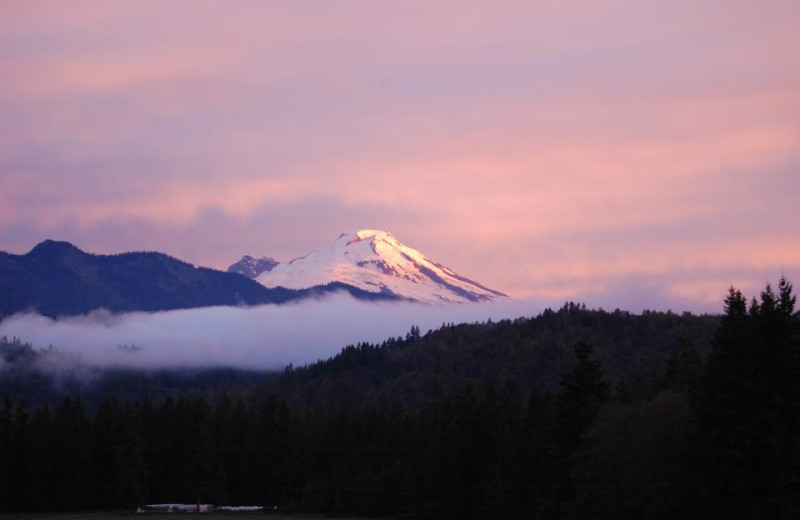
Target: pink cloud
(547,149)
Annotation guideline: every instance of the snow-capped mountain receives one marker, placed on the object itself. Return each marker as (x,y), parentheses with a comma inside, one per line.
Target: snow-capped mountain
(252,267)
(376,261)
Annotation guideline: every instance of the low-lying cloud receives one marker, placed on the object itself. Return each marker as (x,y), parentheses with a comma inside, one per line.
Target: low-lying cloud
(267,337)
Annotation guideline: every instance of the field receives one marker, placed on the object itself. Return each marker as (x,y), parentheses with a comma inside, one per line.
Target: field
(130,516)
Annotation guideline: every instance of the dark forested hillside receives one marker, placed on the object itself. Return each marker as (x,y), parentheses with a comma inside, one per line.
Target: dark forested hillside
(529,351)
(572,414)
(58,279)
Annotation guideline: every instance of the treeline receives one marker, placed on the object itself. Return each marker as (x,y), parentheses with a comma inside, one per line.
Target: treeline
(703,436)
(482,450)
(47,375)
(534,352)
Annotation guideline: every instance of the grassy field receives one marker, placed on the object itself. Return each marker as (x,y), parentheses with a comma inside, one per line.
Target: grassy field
(173,516)
(123,516)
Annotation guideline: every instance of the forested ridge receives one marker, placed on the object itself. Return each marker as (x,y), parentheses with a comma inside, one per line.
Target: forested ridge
(571,414)
(532,352)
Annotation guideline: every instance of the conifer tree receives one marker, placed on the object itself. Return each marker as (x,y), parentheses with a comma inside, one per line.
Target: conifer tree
(583,393)
(747,410)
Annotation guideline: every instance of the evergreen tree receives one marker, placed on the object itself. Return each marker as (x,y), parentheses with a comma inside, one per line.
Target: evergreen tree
(747,411)
(39,490)
(583,393)
(6,448)
(107,432)
(629,462)
(130,480)
(19,463)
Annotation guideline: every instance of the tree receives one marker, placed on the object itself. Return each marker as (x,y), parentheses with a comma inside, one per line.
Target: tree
(6,448)
(130,490)
(749,407)
(583,393)
(629,465)
(413,334)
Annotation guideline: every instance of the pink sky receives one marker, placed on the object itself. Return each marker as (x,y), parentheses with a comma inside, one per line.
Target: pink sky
(619,152)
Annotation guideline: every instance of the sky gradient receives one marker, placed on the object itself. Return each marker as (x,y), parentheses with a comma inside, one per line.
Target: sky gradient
(611,152)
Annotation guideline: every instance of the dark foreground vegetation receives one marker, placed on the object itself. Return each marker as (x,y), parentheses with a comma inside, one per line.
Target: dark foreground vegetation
(571,414)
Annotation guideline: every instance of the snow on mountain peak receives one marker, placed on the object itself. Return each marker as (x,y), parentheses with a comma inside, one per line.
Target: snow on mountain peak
(364,234)
(375,261)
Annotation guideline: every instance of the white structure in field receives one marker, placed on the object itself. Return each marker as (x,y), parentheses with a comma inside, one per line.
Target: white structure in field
(176,508)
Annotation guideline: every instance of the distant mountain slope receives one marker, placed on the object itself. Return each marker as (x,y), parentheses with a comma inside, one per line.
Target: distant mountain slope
(377,262)
(252,267)
(57,278)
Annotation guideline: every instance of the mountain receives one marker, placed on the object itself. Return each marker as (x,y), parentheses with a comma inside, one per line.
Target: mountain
(58,279)
(375,261)
(252,267)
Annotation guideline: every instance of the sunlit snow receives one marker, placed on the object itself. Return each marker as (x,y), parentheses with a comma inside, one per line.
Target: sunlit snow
(376,261)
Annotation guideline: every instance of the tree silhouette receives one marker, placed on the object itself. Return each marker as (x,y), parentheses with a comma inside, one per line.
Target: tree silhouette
(749,407)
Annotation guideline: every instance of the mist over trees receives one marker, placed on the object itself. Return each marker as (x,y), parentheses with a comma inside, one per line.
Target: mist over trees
(571,414)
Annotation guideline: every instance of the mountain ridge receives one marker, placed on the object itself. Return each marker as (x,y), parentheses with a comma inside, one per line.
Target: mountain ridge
(56,278)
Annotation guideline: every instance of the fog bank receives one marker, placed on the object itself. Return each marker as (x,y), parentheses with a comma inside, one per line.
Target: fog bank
(267,337)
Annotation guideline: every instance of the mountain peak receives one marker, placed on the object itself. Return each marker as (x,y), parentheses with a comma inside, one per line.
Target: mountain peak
(252,267)
(375,261)
(364,234)
(50,247)
(372,235)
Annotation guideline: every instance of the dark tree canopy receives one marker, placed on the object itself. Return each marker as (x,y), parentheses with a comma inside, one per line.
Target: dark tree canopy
(508,419)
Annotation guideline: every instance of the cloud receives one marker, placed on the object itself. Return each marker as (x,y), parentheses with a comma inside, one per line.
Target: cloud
(264,337)
(519,143)
(270,337)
